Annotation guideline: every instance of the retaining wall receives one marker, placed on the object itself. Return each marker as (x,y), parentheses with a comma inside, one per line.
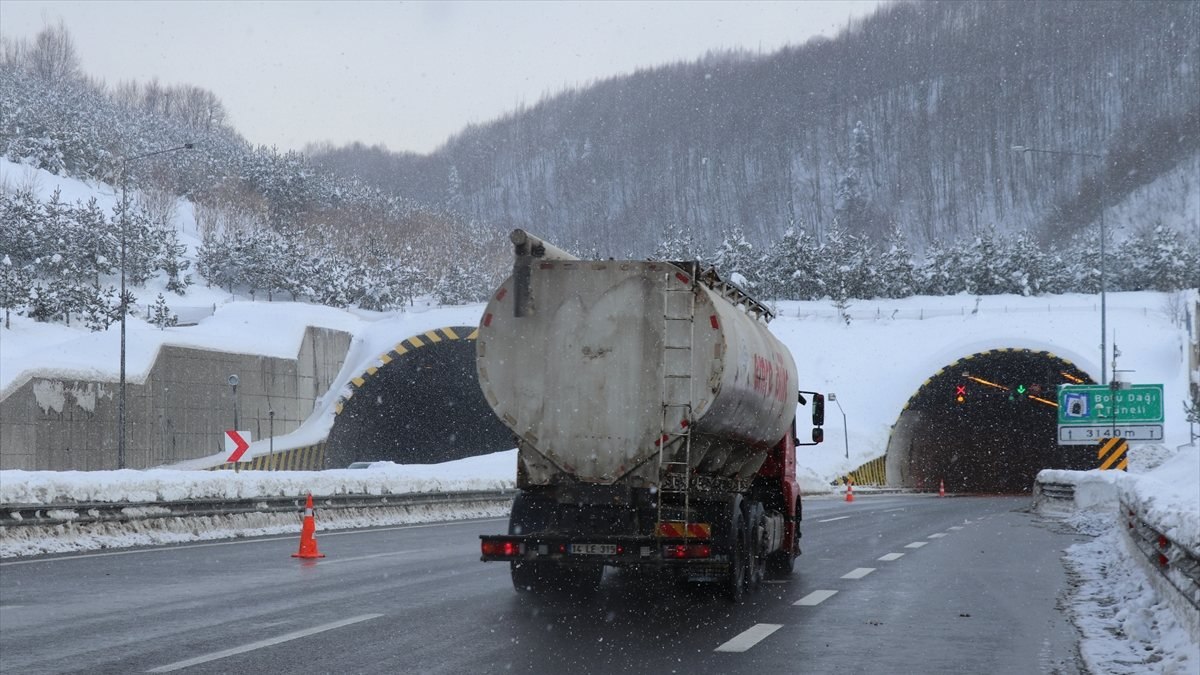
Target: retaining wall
(180,412)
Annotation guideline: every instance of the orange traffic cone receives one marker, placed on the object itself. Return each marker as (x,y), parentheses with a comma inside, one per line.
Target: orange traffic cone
(308,534)
(849,489)
(941,488)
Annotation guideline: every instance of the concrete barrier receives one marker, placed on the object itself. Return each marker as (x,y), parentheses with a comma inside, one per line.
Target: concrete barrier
(179,412)
(36,529)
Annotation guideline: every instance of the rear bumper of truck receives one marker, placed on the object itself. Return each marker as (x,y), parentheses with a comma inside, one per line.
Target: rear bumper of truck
(696,557)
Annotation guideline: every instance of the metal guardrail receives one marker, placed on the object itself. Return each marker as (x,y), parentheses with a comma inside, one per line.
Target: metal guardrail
(1179,565)
(1063,491)
(79,513)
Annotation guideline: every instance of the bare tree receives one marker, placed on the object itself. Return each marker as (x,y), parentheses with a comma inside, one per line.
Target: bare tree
(52,55)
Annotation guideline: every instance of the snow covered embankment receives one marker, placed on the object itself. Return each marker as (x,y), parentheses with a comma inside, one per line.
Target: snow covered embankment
(1138,578)
(63,492)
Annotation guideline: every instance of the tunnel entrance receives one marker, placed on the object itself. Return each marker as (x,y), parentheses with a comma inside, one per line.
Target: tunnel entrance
(421,406)
(987,423)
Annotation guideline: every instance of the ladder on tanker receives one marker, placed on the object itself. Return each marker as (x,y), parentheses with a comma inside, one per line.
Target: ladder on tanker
(675,440)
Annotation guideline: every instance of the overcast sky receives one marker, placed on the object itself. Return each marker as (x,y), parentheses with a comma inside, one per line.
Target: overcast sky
(406,75)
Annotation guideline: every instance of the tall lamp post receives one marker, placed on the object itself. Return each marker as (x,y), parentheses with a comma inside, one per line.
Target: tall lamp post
(845,430)
(1103,312)
(124,300)
(233,382)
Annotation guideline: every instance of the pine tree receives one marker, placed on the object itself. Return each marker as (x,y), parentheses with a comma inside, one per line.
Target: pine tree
(1157,260)
(943,271)
(14,287)
(1083,266)
(160,314)
(735,256)
(984,261)
(43,304)
(676,244)
(896,270)
(793,265)
(102,308)
(1028,266)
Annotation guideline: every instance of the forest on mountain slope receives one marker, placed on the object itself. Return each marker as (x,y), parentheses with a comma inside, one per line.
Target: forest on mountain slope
(834,198)
(905,120)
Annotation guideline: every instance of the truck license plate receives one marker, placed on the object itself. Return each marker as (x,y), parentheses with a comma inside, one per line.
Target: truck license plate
(594,549)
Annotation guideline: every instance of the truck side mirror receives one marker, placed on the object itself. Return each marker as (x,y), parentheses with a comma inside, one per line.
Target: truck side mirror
(818,434)
(818,415)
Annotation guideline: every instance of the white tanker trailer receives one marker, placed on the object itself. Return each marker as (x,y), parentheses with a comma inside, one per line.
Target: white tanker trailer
(654,416)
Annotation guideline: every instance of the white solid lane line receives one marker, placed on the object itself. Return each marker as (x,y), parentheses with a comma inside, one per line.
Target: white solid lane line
(891,556)
(749,637)
(916,544)
(830,520)
(939,535)
(955,527)
(815,598)
(858,573)
(179,665)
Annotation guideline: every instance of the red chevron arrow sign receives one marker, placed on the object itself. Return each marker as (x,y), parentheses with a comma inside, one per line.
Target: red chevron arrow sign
(236,444)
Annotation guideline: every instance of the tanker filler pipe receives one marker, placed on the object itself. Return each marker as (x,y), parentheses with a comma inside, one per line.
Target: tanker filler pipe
(526,247)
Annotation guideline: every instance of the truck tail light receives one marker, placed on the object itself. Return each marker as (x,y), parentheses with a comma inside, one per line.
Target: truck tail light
(500,547)
(681,551)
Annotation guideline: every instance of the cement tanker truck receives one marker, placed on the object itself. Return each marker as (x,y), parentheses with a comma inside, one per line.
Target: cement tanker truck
(655,421)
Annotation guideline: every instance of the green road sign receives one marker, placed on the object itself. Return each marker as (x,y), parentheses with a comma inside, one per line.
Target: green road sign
(1098,404)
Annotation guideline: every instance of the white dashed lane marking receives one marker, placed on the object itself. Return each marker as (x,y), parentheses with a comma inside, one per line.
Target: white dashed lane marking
(858,573)
(891,556)
(916,544)
(830,520)
(750,637)
(815,598)
(939,535)
(956,527)
(269,642)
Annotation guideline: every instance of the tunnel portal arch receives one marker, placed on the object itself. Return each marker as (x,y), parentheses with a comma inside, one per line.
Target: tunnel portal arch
(420,404)
(986,423)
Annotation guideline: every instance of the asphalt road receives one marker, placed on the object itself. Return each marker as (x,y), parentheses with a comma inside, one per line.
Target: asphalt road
(974,591)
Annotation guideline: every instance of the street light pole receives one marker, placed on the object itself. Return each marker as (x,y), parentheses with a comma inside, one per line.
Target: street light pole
(1103,308)
(124,300)
(845,429)
(233,382)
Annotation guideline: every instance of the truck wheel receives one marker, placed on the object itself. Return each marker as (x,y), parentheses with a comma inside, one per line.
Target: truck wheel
(529,514)
(758,544)
(782,563)
(739,552)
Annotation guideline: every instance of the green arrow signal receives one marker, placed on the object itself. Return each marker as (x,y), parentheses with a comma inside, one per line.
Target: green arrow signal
(1020,389)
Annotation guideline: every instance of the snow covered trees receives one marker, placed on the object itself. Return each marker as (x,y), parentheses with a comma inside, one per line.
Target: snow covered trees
(849,266)
(62,257)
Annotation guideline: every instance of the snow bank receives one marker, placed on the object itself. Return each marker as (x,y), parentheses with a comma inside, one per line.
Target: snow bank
(1167,496)
(37,540)
(1126,628)
(487,472)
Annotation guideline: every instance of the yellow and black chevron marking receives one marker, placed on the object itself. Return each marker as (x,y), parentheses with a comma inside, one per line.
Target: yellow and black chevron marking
(403,347)
(873,472)
(966,359)
(1113,454)
(308,458)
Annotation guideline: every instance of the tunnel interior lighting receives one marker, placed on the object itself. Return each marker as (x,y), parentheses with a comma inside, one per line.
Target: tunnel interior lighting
(1042,400)
(1071,377)
(980,380)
